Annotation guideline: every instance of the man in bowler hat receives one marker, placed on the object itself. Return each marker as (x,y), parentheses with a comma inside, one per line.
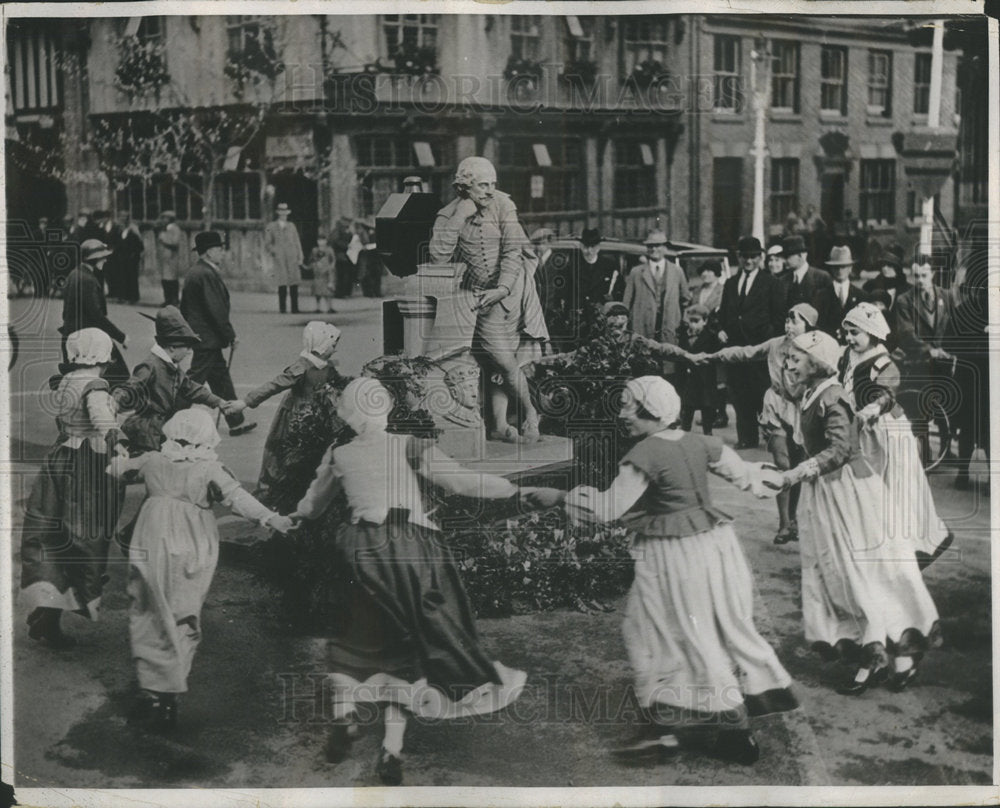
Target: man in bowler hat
(205,306)
(752,311)
(810,285)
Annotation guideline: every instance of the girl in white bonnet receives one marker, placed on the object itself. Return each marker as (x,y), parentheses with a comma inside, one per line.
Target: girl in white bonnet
(407,637)
(689,618)
(311,369)
(863,598)
(73,507)
(173,555)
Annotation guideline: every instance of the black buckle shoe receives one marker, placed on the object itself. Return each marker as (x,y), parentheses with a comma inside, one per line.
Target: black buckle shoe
(876,676)
(900,680)
(338,742)
(737,746)
(389,768)
(651,741)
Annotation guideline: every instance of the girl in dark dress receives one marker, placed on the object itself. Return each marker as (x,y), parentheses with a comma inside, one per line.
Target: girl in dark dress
(408,638)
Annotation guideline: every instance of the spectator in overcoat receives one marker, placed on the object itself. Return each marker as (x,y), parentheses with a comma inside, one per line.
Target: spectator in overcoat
(810,285)
(281,242)
(205,306)
(168,242)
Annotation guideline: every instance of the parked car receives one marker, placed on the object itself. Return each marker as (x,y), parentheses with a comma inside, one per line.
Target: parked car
(690,257)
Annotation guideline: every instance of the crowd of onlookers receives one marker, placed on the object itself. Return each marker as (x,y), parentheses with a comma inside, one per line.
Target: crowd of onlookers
(340,262)
(937,333)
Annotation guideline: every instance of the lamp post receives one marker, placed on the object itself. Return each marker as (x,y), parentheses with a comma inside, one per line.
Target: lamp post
(933,122)
(759,150)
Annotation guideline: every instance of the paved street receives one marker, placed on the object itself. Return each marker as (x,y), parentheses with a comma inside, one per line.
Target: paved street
(239,726)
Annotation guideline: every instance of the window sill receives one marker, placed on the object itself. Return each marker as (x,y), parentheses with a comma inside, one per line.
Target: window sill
(781,116)
(828,117)
(879,120)
(880,226)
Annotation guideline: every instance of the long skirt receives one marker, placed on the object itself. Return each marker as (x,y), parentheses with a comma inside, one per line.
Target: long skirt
(407,633)
(690,634)
(68,526)
(174,551)
(272,462)
(862,592)
(911,515)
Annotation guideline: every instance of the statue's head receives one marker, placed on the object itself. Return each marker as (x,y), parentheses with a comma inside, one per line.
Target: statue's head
(476,179)
(463,384)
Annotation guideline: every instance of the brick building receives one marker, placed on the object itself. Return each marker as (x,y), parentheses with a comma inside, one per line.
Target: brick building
(840,91)
(620,122)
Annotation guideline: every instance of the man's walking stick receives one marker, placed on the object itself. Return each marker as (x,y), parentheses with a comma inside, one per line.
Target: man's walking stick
(229,364)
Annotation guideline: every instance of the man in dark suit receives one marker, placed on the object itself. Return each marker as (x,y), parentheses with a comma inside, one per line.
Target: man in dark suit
(205,305)
(845,294)
(752,311)
(84,306)
(810,285)
(923,321)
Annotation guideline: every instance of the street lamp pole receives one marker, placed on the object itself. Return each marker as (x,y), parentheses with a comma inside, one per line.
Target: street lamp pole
(759,150)
(933,122)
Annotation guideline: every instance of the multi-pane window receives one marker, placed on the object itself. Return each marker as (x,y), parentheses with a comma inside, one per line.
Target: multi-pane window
(784,188)
(409,32)
(145,198)
(785,75)
(152,30)
(580,43)
(384,161)
(727,73)
(878,190)
(543,175)
(34,58)
(833,80)
(645,40)
(526,37)
(635,174)
(247,29)
(922,84)
(237,196)
(880,82)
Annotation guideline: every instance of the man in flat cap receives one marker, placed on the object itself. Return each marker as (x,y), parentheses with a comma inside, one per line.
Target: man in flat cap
(752,311)
(810,285)
(84,306)
(205,306)
(656,292)
(480,229)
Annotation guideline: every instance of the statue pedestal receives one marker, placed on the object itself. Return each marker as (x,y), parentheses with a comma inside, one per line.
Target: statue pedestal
(435,318)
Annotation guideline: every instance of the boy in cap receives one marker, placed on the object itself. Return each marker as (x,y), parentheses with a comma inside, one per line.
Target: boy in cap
(159,387)
(697,384)
(205,306)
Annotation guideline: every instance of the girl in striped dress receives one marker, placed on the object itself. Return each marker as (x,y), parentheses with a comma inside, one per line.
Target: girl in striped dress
(870,380)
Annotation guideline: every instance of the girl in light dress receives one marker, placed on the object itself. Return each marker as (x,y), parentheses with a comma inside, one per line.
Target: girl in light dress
(697,656)
(870,381)
(407,636)
(173,555)
(863,598)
